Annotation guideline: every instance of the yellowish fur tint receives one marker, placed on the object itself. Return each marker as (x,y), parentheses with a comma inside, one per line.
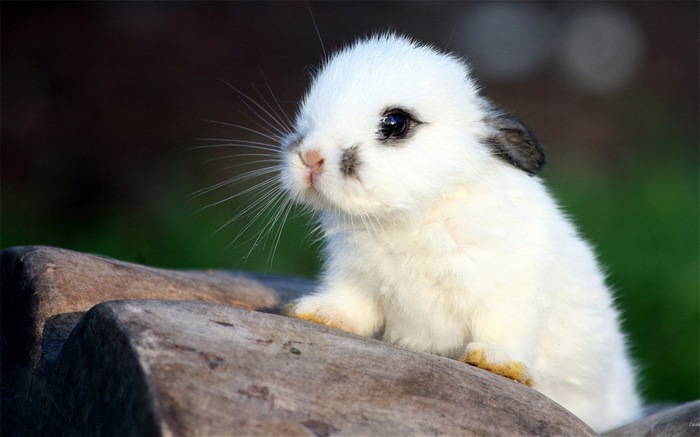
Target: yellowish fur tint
(514,370)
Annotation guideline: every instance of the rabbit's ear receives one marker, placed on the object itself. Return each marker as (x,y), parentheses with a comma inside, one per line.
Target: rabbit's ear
(512,141)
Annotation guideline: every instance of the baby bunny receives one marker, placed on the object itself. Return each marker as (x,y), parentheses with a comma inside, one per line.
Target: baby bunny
(439,236)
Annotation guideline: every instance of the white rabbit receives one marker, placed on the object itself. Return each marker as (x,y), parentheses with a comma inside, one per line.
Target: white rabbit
(439,238)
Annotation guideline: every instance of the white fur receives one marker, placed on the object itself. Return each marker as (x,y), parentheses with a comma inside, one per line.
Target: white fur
(438,245)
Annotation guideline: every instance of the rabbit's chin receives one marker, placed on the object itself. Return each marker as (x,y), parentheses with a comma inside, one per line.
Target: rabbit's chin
(327,198)
(347,207)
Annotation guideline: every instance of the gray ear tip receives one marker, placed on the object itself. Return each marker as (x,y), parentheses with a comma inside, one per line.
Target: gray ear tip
(534,171)
(533,168)
(538,159)
(514,142)
(531,160)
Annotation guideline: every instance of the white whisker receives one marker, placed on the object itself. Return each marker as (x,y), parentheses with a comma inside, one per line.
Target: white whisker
(267,207)
(262,184)
(265,125)
(270,136)
(282,213)
(236,144)
(269,159)
(251,104)
(272,113)
(254,208)
(284,118)
(275,199)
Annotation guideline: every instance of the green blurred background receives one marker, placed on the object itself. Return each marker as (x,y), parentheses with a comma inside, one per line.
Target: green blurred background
(101,102)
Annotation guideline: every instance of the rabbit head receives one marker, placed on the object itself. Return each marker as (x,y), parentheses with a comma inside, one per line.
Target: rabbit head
(389,125)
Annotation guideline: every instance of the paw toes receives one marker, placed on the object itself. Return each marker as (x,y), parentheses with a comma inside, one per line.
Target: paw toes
(515,370)
(314,317)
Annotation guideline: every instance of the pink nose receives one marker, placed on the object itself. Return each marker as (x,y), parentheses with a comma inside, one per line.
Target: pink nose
(313,160)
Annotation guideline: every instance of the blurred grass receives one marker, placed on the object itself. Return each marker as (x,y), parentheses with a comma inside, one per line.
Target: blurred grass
(642,218)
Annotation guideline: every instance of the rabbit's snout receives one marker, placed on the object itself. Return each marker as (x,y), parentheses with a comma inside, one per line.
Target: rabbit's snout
(313,162)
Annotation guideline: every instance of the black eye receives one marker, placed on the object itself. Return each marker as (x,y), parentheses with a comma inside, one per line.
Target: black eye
(394,125)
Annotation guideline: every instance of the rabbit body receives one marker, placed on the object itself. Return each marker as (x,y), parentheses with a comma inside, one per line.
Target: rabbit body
(439,238)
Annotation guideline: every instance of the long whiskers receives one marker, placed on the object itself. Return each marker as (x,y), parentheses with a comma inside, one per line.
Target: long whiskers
(268,117)
(265,208)
(239,178)
(226,143)
(271,136)
(282,115)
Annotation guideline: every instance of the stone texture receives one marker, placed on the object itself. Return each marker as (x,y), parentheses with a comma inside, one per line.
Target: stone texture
(165,352)
(186,368)
(45,291)
(680,421)
(44,284)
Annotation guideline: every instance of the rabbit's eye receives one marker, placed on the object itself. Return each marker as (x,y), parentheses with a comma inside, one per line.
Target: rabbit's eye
(395,125)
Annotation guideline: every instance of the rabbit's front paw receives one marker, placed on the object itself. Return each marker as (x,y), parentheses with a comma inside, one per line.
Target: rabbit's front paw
(494,359)
(304,309)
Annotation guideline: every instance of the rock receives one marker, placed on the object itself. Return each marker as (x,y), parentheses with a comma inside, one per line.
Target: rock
(164,352)
(44,285)
(45,292)
(186,368)
(683,420)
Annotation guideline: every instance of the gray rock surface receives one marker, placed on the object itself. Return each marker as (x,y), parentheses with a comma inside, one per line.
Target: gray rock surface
(92,346)
(186,368)
(679,421)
